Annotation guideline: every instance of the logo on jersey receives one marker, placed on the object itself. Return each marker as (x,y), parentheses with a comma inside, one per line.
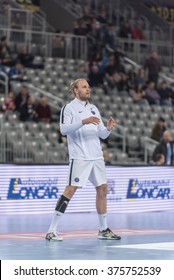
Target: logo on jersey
(92,111)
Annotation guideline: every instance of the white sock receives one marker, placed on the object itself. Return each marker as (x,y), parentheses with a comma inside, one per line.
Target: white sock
(103,221)
(55,222)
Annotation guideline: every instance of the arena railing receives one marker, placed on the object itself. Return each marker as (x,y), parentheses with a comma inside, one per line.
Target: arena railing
(139,50)
(76,7)
(47,44)
(23,19)
(56,102)
(20,151)
(7,151)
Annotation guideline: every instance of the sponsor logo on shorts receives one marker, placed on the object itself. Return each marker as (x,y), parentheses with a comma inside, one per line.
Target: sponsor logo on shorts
(76,179)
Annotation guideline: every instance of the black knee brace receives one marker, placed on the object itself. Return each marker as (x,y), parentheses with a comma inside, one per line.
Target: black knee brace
(62,203)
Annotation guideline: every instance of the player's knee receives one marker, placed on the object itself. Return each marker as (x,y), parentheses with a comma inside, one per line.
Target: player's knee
(69,191)
(102,190)
(105,189)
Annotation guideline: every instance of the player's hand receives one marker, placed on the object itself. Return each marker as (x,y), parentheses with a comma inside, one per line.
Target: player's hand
(93,120)
(111,124)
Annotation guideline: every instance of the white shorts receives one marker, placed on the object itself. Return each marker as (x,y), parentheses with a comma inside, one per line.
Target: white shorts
(80,171)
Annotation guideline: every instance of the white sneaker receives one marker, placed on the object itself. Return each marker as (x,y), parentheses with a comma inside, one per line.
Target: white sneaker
(53,236)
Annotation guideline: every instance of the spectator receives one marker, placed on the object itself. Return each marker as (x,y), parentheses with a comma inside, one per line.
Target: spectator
(125,30)
(158,129)
(137,33)
(27,111)
(152,95)
(140,77)
(132,72)
(2,67)
(138,95)
(109,36)
(95,78)
(86,16)
(43,110)
(165,147)
(111,82)
(82,70)
(125,33)
(27,59)
(24,57)
(16,21)
(5,52)
(102,17)
(97,58)
(80,27)
(58,44)
(3,71)
(165,94)
(95,29)
(16,73)
(8,105)
(153,67)
(118,54)
(159,159)
(111,67)
(5,7)
(21,98)
(124,84)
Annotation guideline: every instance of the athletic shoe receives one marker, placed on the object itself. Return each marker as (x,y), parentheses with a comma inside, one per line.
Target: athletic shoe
(108,234)
(53,236)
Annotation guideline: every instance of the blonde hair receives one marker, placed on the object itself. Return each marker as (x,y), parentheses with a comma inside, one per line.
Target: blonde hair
(74,85)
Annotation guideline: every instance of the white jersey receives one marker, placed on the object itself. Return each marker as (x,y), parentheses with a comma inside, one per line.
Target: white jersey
(83,140)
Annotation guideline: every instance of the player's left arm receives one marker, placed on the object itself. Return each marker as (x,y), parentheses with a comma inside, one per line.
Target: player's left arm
(104,131)
(111,123)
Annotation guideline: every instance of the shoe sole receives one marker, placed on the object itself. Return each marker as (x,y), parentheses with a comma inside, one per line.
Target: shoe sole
(108,238)
(52,239)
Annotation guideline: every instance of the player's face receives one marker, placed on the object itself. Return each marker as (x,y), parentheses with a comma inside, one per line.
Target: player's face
(83,90)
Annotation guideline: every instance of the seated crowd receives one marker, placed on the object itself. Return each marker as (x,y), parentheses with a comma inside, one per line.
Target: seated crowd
(27,107)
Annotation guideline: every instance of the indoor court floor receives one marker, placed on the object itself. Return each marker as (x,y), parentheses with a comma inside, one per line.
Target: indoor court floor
(145,236)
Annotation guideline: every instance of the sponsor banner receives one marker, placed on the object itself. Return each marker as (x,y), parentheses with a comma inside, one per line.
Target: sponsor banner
(36,189)
(29,188)
(163,10)
(155,189)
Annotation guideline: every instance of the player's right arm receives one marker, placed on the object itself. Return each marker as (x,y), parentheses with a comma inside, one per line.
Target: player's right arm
(66,121)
